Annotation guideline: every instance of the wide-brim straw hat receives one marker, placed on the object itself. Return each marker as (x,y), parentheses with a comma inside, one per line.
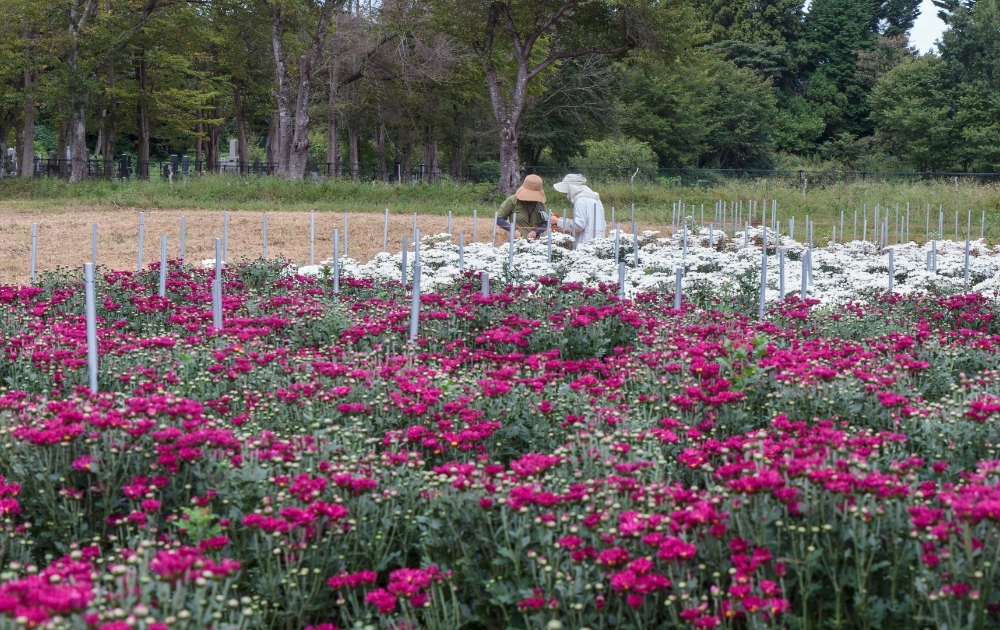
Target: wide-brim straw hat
(531,189)
(569,180)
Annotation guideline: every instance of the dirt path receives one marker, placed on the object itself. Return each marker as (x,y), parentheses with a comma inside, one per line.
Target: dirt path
(64,236)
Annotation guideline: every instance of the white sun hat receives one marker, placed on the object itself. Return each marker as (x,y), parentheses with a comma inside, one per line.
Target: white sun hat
(569,180)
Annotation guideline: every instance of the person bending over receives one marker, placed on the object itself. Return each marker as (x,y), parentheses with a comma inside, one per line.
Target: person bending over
(586,220)
(528,204)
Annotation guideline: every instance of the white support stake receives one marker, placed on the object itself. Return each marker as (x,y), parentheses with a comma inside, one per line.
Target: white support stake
(217,287)
(225,237)
(336,262)
(406,247)
(678,281)
(385,232)
(415,305)
(312,237)
(163,267)
(763,283)
(142,235)
(781,273)
(91,313)
(890,268)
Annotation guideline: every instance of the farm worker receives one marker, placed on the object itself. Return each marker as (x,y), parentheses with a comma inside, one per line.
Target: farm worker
(528,203)
(586,220)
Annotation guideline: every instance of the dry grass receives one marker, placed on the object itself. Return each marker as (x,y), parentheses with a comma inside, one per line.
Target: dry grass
(64,235)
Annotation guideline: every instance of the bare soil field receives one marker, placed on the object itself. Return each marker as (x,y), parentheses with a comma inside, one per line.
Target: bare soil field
(64,235)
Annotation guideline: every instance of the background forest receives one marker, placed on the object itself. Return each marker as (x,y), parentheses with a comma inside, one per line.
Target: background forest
(334,85)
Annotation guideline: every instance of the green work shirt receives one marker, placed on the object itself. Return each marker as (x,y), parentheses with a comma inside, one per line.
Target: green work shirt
(529,213)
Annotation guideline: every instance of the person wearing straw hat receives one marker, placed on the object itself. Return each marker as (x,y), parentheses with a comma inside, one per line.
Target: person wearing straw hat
(587,219)
(528,203)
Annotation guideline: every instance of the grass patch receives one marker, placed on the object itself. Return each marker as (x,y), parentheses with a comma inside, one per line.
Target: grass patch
(653,201)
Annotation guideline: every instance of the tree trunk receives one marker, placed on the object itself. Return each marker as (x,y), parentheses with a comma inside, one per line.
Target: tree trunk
(380,141)
(199,130)
(271,152)
(62,142)
(18,143)
(507,114)
(142,120)
(79,13)
(5,125)
(510,169)
(110,127)
(215,140)
(352,139)
(295,142)
(332,134)
(78,137)
(283,97)
(457,148)
(27,161)
(405,167)
(299,158)
(430,154)
(241,132)
(333,161)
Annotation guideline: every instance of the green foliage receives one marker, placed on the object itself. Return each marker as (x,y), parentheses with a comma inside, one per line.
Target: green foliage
(624,153)
(912,111)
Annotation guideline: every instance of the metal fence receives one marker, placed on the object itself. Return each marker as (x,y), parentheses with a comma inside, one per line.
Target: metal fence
(713,177)
(124,167)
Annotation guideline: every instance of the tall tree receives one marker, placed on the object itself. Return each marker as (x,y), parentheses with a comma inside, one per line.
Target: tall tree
(293,125)
(518,40)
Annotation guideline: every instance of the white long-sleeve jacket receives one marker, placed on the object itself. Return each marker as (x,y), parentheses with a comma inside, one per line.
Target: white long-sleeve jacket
(586,219)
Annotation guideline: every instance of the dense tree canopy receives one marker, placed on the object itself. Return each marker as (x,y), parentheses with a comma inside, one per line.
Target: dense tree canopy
(410,89)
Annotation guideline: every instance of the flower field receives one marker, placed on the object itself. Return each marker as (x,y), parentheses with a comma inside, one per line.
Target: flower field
(548,456)
(841,272)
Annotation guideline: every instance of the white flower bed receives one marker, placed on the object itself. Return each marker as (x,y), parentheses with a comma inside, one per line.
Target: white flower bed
(841,272)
